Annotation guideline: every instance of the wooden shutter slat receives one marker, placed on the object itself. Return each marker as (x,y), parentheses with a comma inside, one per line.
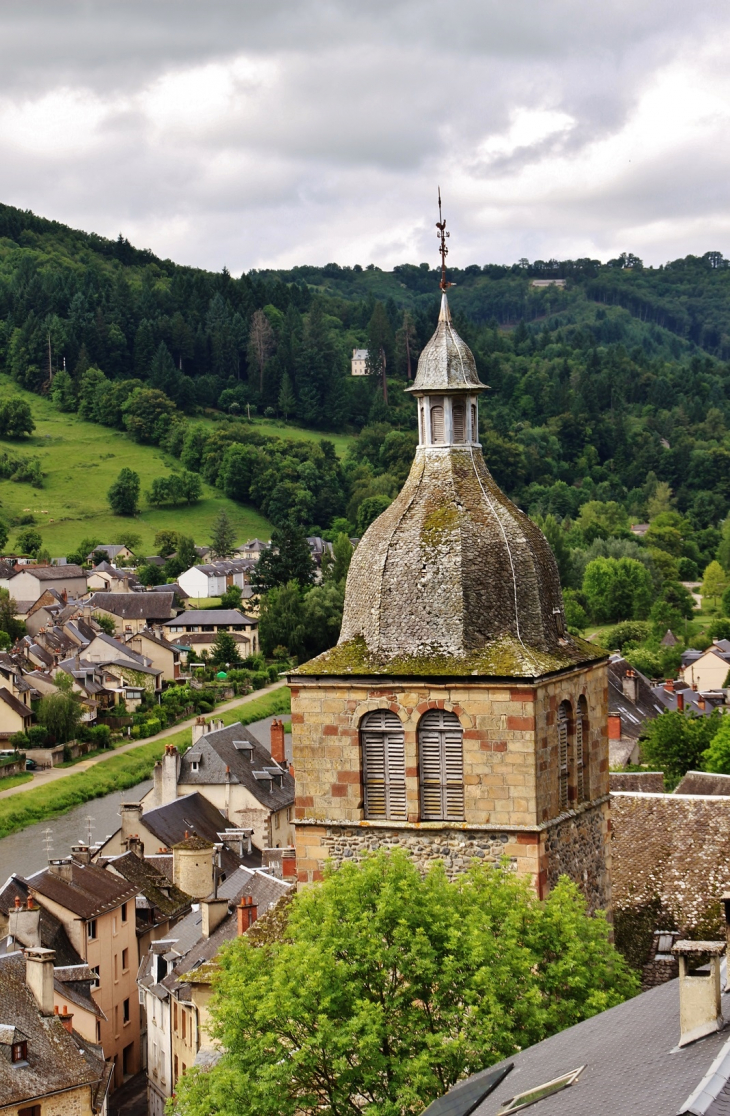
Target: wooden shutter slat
(384,766)
(441,759)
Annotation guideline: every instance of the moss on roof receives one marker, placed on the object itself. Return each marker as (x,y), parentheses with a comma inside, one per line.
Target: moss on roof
(505,657)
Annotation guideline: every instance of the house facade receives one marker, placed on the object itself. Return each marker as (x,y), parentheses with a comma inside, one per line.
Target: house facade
(457,716)
(707,670)
(212,579)
(359,362)
(28,583)
(133,612)
(198,628)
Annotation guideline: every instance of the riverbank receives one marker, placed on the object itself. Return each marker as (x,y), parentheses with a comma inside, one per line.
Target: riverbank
(63,788)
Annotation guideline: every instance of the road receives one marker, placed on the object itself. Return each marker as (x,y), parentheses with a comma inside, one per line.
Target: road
(52,775)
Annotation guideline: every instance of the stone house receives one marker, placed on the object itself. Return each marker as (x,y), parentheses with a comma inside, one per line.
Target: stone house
(198,628)
(113,551)
(28,583)
(126,673)
(97,910)
(132,612)
(46,1066)
(157,652)
(707,670)
(252,788)
(457,717)
(359,362)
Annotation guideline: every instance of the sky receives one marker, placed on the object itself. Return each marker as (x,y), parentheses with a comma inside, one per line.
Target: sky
(268,134)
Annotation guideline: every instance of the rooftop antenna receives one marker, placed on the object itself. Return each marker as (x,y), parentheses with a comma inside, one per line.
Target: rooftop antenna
(48,842)
(442,234)
(89,827)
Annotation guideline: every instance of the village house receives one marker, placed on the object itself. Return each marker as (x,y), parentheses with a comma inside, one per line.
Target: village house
(113,551)
(16,714)
(132,612)
(105,578)
(359,362)
(97,910)
(46,1065)
(197,628)
(457,716)
(631,702)
(212,579)
(158,652)
(707,670)
(176,1010)
(126,673)
(253,549)
(28,583)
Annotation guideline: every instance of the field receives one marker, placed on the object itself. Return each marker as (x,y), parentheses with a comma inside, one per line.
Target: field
(81,460)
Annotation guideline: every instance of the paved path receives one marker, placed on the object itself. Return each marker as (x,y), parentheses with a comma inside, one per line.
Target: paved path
(42,778)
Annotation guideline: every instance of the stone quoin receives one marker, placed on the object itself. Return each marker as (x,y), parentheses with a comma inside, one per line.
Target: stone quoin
(456,718)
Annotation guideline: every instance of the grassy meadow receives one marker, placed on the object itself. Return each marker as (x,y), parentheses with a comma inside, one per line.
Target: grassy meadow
(81,460)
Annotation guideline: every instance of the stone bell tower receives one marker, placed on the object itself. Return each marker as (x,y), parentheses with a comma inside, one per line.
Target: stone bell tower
(456,717)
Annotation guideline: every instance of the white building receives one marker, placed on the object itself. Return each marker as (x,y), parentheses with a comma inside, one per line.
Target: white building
(359,362)
(212,579)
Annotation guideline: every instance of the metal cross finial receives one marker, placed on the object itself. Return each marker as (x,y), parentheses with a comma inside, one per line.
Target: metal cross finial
(442,234)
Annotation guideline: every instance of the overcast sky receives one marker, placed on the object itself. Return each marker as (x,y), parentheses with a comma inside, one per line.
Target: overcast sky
(227,132)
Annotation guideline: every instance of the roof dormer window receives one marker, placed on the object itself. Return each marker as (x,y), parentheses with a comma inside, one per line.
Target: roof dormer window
(19,1052)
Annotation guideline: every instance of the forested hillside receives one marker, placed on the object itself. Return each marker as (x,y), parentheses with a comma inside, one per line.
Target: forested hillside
(613,388)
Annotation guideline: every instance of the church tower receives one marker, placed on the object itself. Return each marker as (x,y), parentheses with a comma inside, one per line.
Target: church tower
(456,717)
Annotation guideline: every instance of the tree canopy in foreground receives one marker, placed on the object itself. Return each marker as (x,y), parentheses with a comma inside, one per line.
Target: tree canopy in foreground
(388,987)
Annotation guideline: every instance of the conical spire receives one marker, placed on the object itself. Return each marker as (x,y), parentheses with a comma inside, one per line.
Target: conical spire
(447,363)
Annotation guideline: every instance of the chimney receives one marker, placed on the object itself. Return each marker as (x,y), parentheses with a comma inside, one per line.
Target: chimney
(701,703)
(134,845)
(131,813)
(291,770)
(170,769)
(66,1018)
(289,864)
(680,701)
(82,853)
(213,911)
(700,1011)
(24,923)
(630,686)
(614,726)
(198,729)
(39,976)
(247,912)
(669,686)
(277,742)
(61,868)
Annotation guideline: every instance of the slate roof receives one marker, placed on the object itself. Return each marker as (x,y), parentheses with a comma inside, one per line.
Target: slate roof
(54,1061)
(53,573)
(168,899)
(112,549)
(703,782)
(14,704)
(698,703)
(218,616)
(221,762)
(446,363)
(90,892)
(134,606)
(648,703)
(631,1065)
(74,983)
(670,860)
(192,813)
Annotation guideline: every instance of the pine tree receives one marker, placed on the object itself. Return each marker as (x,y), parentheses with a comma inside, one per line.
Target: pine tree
(163,374)
(287,401)
(224,649)
(144,349)
(223,536)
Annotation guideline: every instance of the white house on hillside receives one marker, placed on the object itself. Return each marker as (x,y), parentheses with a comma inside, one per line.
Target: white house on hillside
(359,362)
(212,579)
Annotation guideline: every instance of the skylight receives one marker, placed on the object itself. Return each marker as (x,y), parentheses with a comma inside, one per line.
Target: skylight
(532,1096)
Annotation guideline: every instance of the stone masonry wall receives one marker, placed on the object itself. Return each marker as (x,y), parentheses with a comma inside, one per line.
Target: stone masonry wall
(579,847)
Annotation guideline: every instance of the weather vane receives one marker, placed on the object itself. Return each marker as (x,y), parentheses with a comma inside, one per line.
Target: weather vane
(442,234)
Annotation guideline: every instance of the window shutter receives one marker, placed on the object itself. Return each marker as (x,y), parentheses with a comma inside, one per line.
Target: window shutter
(458,415)
(563,757)
(579,757)
(474,425)
(384,766)
(437,424)
(442,767)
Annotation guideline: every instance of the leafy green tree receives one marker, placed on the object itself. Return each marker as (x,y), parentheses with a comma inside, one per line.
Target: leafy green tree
(714,582)
(369,510)
(28,541)
(60,715)
(323,606)
(343,552)
(224,649)
(238,469)
(281,619)
(148,414)
(105,622)
(86,546)
(166,543)
(92,380)
(723,550)
(123,496)
(387,987)
(185,557)
(555,535)
(675,742)
(5,641)
(232,597)
(150,574)
(617,589)
(62,392)
(223,536)
(725,598)
(175,489)
(576,616)
(288,558)
(16,419)
(600,519)
(4,534)
(629,631)
(287,399)
(717,757)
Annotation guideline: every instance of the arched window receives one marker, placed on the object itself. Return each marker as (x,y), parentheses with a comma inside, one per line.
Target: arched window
(383,765)
(581,748)
(564,717)
(441,766)
(458,415)
(437,424)
(474,424)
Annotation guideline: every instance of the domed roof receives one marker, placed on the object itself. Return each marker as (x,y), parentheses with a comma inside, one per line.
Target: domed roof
(452,578)
(446,363)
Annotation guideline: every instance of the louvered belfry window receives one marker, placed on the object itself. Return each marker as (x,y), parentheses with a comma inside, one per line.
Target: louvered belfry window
(437,424)
(458,415)
(474,424)
(581,744)
(384,766)
(441,761)
(563,767)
